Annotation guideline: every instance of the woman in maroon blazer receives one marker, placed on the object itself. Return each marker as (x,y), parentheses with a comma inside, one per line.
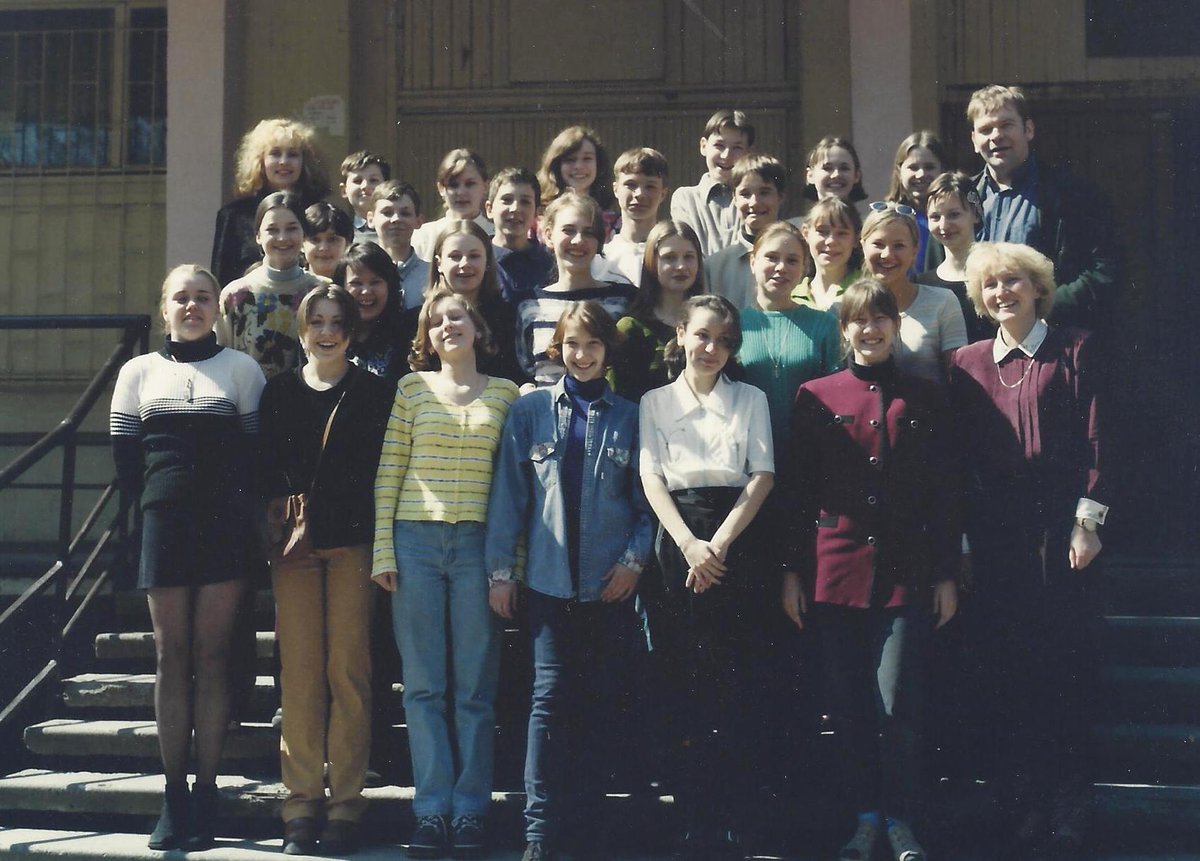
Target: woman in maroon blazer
(872,483)
(1027,403)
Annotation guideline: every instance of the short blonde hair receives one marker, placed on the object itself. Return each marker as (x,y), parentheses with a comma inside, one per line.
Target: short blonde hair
(989,259)
(250,176)
(881,218)
(993,98)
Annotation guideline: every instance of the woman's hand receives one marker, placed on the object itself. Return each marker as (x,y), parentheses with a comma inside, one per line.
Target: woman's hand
(795,602)
(385,579)
(1085,546)
(945,602)
(706,566)
(502,598)
(620,583)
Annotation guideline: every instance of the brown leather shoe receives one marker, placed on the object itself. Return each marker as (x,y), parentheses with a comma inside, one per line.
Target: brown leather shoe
(300,836)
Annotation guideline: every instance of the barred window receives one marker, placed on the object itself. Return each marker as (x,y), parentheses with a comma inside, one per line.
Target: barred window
(82,89)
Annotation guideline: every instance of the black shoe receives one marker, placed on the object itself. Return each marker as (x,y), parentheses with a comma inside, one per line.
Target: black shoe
(431,837)
(171,830)
(300,836)
(340,837)
(468,836)
(536,850)
(204,816)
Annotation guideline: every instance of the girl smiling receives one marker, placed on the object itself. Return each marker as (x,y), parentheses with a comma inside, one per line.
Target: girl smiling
(462,183)
(931,321)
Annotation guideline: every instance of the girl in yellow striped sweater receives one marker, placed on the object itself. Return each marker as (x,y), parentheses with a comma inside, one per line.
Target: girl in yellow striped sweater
(431,495)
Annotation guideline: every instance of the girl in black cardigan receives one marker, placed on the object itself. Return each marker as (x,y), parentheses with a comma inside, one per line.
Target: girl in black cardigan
(323,600)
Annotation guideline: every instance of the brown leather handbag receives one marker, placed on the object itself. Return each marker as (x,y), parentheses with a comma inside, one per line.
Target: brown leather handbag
(296,543)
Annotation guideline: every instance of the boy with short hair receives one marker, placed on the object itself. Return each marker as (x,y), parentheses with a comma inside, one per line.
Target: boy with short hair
(758,185)
(522,263)
(362,172)
(641,187)
(328,232)
(708,206)
(394,213)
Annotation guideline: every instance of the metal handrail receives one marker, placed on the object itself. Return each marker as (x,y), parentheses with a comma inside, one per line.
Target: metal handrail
(135,335)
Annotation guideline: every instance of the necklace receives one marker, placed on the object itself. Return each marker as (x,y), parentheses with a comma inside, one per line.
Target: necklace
(783,337)
(1000,376)
(191,381)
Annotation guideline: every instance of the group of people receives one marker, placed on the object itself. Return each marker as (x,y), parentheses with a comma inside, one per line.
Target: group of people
(631,436)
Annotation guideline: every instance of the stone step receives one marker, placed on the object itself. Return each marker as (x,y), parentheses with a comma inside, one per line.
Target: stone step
(94,846)
(1160,641)
(250,747)
(138,739)
(1157,754)
(1142,816)
(139,645)
(106,846)
(1148,587)
(1154,695)
(136,690)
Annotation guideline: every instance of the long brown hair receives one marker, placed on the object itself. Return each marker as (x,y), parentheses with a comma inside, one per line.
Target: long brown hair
(649,292)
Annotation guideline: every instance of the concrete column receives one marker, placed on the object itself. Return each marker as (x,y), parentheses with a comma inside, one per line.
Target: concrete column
(195,127)
(880,86)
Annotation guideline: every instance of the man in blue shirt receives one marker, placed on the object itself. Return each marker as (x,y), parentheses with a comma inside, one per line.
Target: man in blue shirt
(1064,217)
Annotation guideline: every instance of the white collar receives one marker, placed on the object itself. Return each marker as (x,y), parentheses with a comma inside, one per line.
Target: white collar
(1001,348)
(718,401)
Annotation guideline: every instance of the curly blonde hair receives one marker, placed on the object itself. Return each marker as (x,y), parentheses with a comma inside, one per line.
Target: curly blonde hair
(250,176)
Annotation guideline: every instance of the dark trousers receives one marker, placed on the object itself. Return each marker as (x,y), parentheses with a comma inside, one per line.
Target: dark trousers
(1032,665)
(707,647)
(873,662)
(579,721)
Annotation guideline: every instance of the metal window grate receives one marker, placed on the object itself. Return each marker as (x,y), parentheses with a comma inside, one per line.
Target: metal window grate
(83,90)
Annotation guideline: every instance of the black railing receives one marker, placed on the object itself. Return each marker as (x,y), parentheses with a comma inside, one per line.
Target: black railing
(65,576)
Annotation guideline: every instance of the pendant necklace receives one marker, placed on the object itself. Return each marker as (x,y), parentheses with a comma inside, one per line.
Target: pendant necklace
(191,381)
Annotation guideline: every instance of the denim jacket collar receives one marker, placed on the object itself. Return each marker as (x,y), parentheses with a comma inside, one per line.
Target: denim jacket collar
(562,405)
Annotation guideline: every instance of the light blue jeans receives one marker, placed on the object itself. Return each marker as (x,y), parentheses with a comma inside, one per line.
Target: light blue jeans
(449,646)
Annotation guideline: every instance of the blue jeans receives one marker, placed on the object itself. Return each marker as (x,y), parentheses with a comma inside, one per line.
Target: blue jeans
(583,654)
(449,648)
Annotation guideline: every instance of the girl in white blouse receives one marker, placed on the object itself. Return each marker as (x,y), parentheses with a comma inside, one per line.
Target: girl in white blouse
(707,465)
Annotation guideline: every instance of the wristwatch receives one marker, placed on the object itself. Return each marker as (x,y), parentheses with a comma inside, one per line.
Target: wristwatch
(504,575)
(1087,524)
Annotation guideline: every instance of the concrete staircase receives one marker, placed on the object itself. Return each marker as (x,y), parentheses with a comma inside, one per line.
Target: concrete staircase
(96,788)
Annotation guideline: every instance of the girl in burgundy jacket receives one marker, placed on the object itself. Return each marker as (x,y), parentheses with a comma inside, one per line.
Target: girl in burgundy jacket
(872,484)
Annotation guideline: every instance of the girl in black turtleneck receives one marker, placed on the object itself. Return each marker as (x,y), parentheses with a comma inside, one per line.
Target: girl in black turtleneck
(876,550)
(182,424)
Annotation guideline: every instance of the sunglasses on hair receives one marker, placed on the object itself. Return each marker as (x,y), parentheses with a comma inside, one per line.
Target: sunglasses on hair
(885,205)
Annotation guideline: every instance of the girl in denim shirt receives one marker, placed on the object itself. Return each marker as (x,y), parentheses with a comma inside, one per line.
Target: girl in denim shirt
(567,479)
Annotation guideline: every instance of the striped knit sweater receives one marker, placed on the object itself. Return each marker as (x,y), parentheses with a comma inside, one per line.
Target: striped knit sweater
(437,459)
(183,428)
